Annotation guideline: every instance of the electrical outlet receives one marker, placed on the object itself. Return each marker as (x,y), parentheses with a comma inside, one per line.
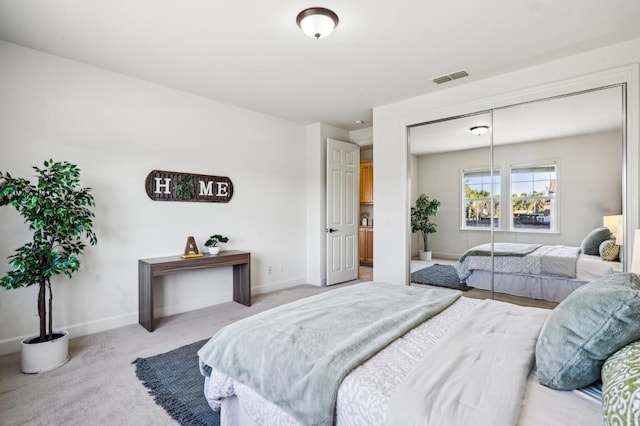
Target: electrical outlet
(269,269)
(281,267)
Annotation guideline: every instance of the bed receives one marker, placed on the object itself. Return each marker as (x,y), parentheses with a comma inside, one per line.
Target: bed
(549,272)
(464,361)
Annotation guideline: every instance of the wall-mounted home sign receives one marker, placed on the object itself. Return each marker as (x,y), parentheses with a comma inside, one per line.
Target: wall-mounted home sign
(174,186)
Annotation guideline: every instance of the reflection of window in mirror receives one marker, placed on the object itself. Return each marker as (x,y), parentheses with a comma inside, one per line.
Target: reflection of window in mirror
(533,198)
(476,199)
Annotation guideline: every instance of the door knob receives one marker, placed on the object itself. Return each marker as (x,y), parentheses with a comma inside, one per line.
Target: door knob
(330,230)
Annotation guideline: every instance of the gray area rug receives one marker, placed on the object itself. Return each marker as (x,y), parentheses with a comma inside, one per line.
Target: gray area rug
(174,380)
(439,275)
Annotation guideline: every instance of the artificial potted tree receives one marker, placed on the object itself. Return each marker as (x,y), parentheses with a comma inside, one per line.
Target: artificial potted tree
(420,214)
(213,241)
(58,213)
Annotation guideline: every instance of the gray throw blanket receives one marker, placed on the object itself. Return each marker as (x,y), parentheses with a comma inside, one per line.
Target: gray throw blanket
(524,259)
(296,355)
(501,249)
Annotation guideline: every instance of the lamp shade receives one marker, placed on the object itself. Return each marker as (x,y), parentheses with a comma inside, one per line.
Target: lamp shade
(612,222)
(317,22)
(620,232)
(635,261)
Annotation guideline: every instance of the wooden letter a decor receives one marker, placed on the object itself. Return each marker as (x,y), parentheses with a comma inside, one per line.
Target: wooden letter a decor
(191,249)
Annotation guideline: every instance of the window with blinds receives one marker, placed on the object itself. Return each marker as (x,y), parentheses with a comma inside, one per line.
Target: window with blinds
(478,191)
(532,204)
(533,198)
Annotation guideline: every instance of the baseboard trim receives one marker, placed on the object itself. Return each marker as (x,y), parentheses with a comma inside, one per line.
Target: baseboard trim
(268,288)
(12,344)
(317,281)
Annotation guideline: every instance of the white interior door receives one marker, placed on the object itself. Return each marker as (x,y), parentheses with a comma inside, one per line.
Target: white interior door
(343,168)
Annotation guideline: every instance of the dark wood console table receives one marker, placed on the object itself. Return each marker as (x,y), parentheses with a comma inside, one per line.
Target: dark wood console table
(148,269)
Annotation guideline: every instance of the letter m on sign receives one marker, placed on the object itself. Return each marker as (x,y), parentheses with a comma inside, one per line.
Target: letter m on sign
(206,189)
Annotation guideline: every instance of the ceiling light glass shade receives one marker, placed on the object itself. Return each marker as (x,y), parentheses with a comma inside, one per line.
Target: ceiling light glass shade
(317,22)
(479,130)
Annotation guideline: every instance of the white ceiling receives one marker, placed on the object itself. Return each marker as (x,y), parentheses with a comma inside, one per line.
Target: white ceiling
(252,54)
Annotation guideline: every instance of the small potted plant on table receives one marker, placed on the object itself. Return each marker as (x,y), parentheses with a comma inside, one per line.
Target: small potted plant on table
(212,243)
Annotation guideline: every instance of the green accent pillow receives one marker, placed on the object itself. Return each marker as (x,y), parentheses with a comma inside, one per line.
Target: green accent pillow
(586,328)
(621,387)
(591,243)
(609,250)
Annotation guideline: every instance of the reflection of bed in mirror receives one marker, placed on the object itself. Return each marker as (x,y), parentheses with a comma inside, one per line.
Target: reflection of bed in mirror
(547,173)
(532,270)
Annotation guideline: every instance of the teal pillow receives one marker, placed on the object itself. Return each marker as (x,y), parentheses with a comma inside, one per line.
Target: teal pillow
(591,243)
(621,387)
(586,328)
(609,250)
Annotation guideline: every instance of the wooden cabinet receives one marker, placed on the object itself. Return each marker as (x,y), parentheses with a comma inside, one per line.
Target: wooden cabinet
(365,234)
(366,182)
(365,245)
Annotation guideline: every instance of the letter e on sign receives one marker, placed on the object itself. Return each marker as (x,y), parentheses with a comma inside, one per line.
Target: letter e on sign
(222,189)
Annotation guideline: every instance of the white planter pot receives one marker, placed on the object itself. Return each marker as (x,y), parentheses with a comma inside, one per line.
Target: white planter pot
(45,356)
(425,255)
(214,250)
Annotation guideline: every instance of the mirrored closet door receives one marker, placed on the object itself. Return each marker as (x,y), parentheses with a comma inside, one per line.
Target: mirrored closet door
(451,163)
(530,190)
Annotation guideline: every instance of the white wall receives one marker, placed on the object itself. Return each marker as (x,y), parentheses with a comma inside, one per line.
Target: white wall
(117,129)
(610,65)
(589,187)
(363,137)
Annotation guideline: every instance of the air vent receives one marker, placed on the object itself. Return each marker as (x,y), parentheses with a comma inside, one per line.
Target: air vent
(459,74)
(449,77)
(442,79)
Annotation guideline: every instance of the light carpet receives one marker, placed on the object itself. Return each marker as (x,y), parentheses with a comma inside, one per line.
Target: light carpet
(98,386)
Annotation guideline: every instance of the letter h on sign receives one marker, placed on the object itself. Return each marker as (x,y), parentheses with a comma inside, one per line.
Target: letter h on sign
(159,186)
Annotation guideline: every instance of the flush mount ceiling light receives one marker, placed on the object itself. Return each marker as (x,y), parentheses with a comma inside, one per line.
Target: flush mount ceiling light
(479,130)
(317,22)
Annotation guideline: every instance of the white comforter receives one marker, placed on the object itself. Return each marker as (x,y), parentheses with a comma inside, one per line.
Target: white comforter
(364,394)
(476,375)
